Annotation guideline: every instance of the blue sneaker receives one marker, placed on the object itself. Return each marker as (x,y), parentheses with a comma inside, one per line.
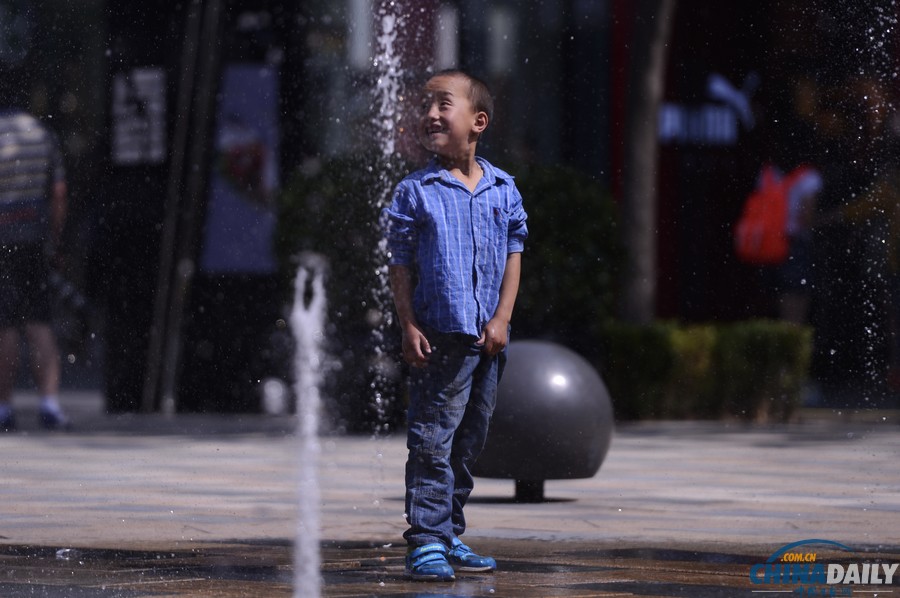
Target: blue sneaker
(462,558)
(7,421)
(429,563)
(54,419)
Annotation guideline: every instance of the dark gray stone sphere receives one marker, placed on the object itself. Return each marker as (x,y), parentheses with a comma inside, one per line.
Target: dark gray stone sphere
(553,420)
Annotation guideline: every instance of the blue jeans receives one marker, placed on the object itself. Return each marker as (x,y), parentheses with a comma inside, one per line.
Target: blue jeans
(450,407)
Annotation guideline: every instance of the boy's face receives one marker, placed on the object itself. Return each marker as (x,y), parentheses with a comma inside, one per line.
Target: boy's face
(448,122)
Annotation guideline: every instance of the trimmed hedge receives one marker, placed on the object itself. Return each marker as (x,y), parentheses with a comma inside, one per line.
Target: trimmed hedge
(752,370)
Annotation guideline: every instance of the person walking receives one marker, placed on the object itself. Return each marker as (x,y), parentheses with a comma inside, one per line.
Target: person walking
(33,203)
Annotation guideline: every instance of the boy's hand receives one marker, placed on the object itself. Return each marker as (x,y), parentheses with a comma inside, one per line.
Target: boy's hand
(494,336)
(416,347)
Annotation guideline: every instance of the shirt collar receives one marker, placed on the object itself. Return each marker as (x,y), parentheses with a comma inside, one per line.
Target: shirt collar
(492,176)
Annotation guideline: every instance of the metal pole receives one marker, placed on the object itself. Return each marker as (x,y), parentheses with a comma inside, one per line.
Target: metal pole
(173,199)
(196,92)
(196,183)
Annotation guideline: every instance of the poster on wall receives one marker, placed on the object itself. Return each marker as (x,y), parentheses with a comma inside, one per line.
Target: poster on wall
(139,116)
(240,216)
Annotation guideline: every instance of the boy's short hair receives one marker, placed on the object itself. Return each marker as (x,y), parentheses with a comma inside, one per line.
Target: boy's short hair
(479,94)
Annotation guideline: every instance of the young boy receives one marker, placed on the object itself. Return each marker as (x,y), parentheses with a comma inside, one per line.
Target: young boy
(455,234)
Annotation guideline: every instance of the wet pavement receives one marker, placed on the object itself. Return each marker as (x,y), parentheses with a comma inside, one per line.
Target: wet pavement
(528,568)
(206,506)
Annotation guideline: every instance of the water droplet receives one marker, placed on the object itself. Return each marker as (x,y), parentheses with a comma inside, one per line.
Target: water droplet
(67,554)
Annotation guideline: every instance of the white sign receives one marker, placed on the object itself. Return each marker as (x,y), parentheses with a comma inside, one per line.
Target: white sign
(711,123)
(139,117)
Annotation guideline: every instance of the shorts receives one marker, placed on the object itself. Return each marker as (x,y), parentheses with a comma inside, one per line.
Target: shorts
(25,295)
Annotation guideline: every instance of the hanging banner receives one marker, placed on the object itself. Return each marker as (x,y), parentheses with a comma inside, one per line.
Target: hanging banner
(240,215)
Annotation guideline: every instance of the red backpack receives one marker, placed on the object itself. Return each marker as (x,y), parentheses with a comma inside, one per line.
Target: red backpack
(760,234)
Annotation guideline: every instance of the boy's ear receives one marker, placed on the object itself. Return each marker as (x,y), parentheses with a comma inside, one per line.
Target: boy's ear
(481,122)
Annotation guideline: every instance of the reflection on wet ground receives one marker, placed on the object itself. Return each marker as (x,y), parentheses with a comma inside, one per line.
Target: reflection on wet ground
(527,568)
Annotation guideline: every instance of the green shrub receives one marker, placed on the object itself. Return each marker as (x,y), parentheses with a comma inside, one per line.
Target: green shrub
(571,258)
(689,391)
(636,363)
(750,370)
(762,365)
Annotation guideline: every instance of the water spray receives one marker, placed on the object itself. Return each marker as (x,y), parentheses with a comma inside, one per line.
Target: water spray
(307,324)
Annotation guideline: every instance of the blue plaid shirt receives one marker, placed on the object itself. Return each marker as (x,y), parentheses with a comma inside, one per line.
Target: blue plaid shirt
(456,242)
